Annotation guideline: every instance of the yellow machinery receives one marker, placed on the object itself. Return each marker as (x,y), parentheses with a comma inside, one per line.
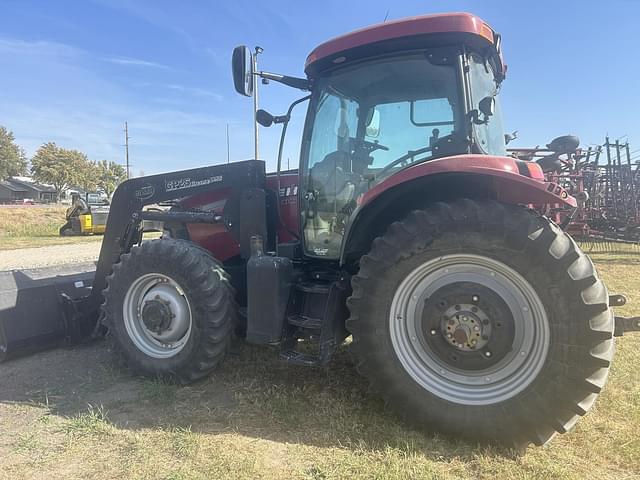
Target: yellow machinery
(84,218)
(87,227)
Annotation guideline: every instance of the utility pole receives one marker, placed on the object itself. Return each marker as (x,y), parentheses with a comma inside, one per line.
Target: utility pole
(227,143)
(258,51)
(126,147)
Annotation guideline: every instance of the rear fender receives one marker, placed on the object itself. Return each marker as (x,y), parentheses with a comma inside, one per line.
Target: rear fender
(504,179)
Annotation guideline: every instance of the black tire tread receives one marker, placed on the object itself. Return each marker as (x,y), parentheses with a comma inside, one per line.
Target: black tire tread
(211,295)
(576,370)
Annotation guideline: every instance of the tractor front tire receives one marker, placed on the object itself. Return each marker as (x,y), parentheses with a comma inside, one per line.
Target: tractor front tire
(170,310)
(482,320)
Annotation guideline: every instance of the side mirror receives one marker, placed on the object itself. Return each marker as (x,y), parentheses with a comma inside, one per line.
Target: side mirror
(487,106)
(242,69)
(264,118)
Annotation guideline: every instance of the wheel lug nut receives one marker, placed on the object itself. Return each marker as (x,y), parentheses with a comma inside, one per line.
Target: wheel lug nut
(476,328)
(449,335)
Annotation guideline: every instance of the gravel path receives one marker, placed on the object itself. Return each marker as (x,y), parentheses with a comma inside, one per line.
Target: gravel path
(49,256)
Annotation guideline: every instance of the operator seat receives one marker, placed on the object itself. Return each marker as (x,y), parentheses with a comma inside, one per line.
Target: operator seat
(332,178)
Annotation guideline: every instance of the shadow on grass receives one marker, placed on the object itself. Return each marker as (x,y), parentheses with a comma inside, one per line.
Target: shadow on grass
(252,394)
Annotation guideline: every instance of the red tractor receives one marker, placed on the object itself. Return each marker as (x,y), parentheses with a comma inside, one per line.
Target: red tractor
(406,226)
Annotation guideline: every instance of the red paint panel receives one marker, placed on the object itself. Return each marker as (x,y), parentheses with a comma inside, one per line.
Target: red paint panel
(288,199)
(218,240)
(406,27)
(215,238)
(508,185)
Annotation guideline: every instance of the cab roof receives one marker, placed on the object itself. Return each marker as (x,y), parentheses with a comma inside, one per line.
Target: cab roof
(335,50)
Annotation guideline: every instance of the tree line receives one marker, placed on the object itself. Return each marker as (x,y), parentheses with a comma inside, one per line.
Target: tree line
(59,167)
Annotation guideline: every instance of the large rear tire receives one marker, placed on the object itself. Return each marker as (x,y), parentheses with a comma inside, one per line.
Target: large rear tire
(482,320)
(170,310)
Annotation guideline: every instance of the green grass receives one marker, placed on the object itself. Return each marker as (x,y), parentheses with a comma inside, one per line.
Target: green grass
(256,418)
(14,243)
(92,422)
(27,443)
(158,391)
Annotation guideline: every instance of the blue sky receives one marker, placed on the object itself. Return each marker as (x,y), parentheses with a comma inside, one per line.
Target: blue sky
(73,71)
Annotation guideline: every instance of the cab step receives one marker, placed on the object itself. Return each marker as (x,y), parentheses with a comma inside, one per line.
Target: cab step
(313,288)
(314,324)
(305,321)
(303,359)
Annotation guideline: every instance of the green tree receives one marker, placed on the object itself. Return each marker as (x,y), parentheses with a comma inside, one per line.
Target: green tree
(62,168)
(110,175)
(12,158)
(89,177)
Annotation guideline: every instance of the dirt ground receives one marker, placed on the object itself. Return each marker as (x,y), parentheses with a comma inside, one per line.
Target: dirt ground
(49,256)
(78,413)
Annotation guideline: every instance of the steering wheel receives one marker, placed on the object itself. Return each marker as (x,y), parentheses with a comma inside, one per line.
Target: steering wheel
(367,146)
(404,159)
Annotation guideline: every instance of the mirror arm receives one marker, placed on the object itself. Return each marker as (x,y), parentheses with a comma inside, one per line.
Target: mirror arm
(474,116)
(295,82)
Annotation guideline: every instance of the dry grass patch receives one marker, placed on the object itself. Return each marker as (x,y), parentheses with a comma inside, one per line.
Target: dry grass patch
(31,220)
(34,226)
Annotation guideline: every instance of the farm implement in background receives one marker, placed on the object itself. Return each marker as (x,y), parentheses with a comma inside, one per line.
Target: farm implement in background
(605,180)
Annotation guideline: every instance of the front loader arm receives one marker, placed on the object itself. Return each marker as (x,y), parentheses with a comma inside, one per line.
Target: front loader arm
(43,307)
(247,201)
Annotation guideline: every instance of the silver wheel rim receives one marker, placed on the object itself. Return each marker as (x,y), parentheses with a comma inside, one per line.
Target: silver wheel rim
(513,373)
(158,287)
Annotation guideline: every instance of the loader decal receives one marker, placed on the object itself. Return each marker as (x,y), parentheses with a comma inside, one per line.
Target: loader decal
(182,183)
(145,192)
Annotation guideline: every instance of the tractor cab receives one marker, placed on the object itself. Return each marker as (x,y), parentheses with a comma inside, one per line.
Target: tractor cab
(383,99)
